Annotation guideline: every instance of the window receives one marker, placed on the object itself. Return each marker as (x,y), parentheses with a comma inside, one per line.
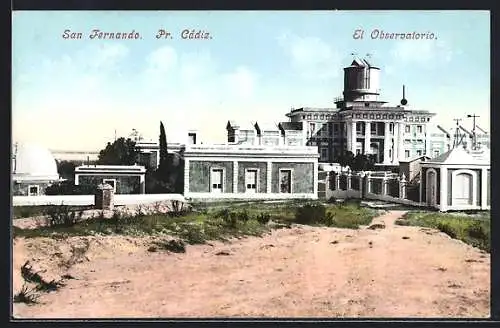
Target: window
(322,117)
(303,117)
(358,151)
(419,153)
(391,127)
(419,129)
(407,153)
(111,182)
(359,128)
(312,128)
(285,178)
(324,154)
(336,129)
(407,129)
(411,119)
(33,190)
(320,129)
(216,180)
(316,116)
(436,153)
(373,128)
(309,116)
(251,180)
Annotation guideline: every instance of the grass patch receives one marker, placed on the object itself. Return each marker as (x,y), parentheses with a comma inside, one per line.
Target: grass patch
(471,229)
(26,295)
(212,221)
(19,212)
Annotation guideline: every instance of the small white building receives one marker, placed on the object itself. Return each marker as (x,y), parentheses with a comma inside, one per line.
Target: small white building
(457,180)
(125,179)
(33,170)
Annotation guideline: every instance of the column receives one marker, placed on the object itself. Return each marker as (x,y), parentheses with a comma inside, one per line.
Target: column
(387,143)
(401,128)
(235,177)
(186,177)
(368,133)
(395,152)
(337,181)
(349,181)
(428,150)
(142,184)
(385,185)
(348,127)
(353,138)
(268,177)
(402,187)
(368,183)
(315,178)
(484,188)
(77,179)
(443,197)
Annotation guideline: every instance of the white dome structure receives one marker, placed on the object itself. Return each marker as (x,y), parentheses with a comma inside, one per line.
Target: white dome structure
(34,163)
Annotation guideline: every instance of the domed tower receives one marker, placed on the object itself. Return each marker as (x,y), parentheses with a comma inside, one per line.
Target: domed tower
(361,81)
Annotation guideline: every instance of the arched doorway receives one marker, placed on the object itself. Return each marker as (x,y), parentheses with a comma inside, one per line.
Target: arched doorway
(462,189)
(431,188)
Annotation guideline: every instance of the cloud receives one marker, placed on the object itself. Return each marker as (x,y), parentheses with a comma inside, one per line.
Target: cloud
(425,53)
(311,57)
(242,82)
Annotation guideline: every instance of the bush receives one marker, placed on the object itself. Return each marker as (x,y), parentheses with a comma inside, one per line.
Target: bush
(263,218)
(26,295)
(62,215)
(476,230)
(311,214)
(447,229)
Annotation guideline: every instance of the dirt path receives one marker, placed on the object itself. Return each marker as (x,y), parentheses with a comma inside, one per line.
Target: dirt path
(304,271)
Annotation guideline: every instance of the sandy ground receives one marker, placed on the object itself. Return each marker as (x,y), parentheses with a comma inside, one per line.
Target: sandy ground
(298,272)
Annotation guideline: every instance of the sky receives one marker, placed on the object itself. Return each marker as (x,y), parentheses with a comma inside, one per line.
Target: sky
(73,94)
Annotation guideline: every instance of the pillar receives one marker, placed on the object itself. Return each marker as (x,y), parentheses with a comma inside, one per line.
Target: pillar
(428,150)
(315,178)
(104,197)
(353,138)
(186,177)
(368,183)
(349,182)
(368,132)
(484,188)
(401,128)
(348,127)
(235,177)
(268,177)
(443,197)
(387,143)
(142,184)
(402,187)
(337,181)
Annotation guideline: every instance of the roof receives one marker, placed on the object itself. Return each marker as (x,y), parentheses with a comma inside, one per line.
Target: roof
(465,130)
(480,129)
(234,125)
(415,158)
(361,62)
(265,127)
(290,125)
(35,161)
(461,156)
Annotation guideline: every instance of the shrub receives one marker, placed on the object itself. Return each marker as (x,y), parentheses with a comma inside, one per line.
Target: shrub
(62,215)
(447,229)
(310,214)
(173,245)
(26,295)
(263,218)
(476,230)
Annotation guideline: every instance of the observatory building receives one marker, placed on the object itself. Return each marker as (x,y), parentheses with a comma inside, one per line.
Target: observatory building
(362,123)
(33,169)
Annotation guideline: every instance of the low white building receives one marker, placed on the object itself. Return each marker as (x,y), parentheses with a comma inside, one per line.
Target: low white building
(125,179)
(457,180)
(33,170)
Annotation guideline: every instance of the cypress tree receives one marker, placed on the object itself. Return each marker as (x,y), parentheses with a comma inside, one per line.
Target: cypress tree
(163,166)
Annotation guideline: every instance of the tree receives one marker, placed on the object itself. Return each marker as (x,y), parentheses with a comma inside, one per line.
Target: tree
(346,159)
(163,166)
(66,169)
(362,162)
(121,152)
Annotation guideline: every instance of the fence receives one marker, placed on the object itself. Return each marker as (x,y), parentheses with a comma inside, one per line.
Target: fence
(383,186)
(135,199)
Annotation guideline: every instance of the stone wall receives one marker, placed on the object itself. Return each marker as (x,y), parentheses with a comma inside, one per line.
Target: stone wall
(125,184)
(21,189)
(262,166)
(199,175)
(302,177)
